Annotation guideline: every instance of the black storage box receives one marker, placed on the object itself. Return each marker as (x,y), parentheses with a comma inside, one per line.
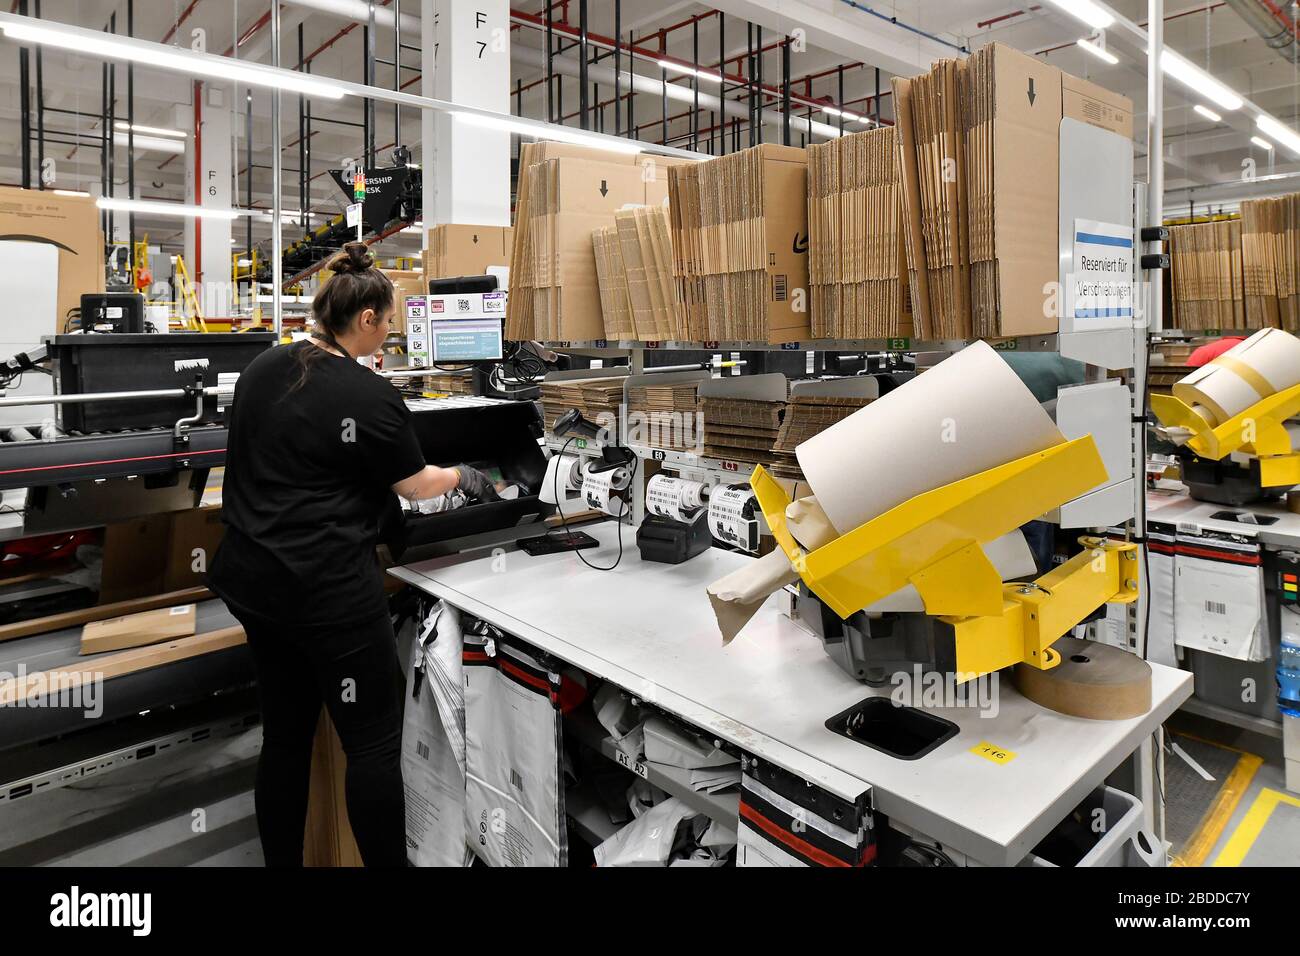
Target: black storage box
(113,362)
(504,435)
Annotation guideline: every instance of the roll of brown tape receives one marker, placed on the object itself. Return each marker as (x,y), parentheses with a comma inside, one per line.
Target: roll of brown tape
(1093,680)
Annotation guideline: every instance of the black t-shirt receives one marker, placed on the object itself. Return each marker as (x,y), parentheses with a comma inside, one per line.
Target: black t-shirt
(309,471)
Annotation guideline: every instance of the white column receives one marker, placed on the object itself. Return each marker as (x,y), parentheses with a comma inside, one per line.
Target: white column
(214,140)
(466,60)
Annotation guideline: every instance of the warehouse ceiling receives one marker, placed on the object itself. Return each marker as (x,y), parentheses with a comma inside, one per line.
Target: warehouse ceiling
(835,33)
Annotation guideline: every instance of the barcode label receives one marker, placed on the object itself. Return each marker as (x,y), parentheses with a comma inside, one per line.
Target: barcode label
(516,781)
(778,288)
(422,749)
(1216,607)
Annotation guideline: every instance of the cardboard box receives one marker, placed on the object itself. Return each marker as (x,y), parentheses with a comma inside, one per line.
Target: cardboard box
(979,155)
(328,839)
(192,543)
(740,244)
(538,307)
(137,630)
(135,558)
(453,249)
(407,282)
(69,222)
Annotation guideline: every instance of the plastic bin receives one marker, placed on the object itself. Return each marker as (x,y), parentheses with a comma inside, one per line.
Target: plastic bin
(1124,843)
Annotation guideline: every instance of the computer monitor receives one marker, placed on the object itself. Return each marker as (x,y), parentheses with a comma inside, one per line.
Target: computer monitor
(465,340)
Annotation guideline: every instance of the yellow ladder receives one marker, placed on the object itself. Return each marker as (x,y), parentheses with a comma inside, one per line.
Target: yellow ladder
(189,309)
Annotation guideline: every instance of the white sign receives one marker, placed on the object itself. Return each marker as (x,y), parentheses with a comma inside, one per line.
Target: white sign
(1100,282)
(354,215)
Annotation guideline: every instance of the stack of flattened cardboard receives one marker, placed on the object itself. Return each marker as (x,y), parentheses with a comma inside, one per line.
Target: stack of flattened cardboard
(669,410)
(453,249)
(645,241)
(1270,241)
(1206,281)
(591,396)
(611,275)
(808,415)
(565,192)
(979,164)
(740,238)
(1169,364)
(856,259)
(449,383)
(741,429)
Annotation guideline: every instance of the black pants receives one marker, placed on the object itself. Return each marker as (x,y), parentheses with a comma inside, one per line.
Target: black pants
(354,672)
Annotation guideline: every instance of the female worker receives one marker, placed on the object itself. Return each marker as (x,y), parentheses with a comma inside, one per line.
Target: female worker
(318,444)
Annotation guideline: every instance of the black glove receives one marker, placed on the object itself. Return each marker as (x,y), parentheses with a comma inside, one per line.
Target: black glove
(475,484)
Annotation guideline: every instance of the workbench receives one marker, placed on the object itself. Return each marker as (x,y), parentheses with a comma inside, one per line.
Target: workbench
(648,628)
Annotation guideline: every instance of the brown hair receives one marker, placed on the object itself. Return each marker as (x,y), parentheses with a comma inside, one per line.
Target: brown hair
(355,286)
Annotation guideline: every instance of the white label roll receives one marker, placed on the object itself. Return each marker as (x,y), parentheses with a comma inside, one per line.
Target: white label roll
(965,415)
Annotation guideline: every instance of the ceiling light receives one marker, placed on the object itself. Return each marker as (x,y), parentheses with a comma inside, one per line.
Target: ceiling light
(1283,134)
(144,208)
(547,131)
(1197,79)
(71,192)
(1262,143)
(1090,13)
(92,43)
(832,111)
(152,143)
(690,71)
(1099,52)
(150,130)
(1208,113)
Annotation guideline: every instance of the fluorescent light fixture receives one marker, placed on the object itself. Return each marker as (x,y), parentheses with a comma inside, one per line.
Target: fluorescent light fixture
(546,131)
(1090,13)
(1283,134)
(1194,78)
(154,144)
(1208,113)
(145,208)
(71,192)
(1262,143)
(690,71)
(106,46)
(1098,52)
(832,111)
(150,130)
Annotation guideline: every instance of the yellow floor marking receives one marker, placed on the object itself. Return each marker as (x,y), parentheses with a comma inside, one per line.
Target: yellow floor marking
(1252,825)
(1216,818)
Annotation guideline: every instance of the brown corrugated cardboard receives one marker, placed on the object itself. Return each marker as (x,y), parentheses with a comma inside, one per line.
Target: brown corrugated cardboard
(70,223)
(1089,103)
(453,249)
(192,541)
(328,839)
(135,558)
(137,630)
(740,241)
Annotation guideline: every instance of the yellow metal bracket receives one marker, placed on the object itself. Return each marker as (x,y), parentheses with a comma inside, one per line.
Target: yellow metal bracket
(1260,430)
(931,541)
(1034,616)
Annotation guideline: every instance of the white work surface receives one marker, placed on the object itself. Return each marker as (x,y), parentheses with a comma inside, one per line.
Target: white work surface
(649,628)
(1173,505)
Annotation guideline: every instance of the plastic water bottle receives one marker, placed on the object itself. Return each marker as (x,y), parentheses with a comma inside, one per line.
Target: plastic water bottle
(1288,664)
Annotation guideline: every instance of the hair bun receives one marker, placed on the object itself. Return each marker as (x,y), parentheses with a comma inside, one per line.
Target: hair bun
(354,258)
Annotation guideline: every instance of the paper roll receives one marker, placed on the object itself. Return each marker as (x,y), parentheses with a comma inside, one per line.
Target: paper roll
(1267,362)
(675,498)
(967,414)
(597,489)
(731,516)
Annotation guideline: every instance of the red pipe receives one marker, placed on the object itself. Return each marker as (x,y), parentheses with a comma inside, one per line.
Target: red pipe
(185,15)
(198,181)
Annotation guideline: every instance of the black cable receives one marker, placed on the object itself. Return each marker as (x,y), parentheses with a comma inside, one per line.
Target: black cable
(555,485)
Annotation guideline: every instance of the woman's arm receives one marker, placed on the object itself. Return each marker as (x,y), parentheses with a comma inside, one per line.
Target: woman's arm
(429,482)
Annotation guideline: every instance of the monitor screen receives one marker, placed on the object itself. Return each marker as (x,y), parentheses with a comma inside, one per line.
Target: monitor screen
(465,340)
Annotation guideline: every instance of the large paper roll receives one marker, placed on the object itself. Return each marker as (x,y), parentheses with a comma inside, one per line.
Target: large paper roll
(967,414)
(1267,362)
